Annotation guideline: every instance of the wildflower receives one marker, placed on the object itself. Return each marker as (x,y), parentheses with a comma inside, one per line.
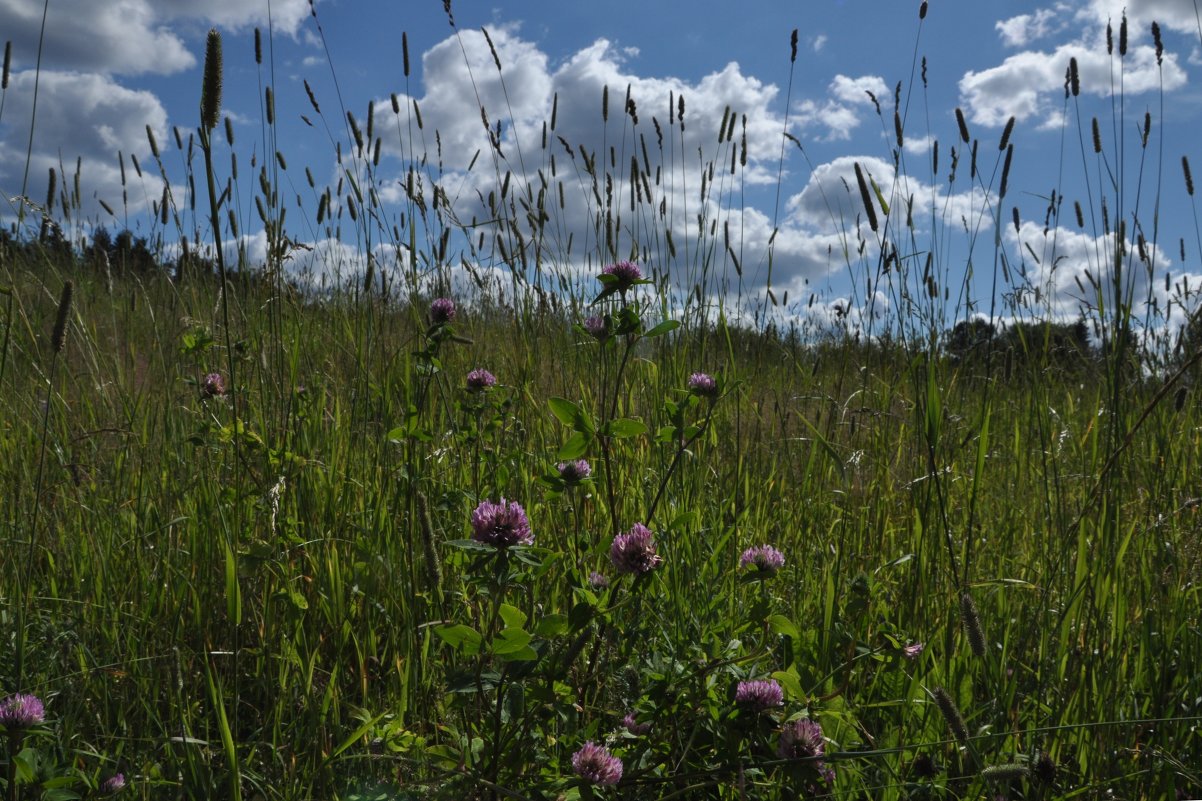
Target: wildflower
(596,765)
(763,559)
(212,385)
(501,524)
(479,380)
(21,711)
(442,311)
(634,551)
(113,785)
(597,327)
(703,385)
(625,274)
(1045,768)
(598,581)
(631,724)
(802,739)
(760,695)
(913,650)
(572,472)
(924,766)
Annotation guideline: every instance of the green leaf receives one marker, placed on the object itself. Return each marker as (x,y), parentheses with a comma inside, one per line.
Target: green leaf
(511,640)
(460,637)
(552,626)
(526,654)
(880,196)
(575,447)
(791,684)
(624,428)
(513,617)
(826,446)
(26,764)
(783,626)
(565,410)
(628,321)
(355,736)
(60,794)
(472,545)
(663,328)
(446,756)
(572,415)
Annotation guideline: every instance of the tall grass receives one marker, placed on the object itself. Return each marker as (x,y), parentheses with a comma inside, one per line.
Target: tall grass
(267,584)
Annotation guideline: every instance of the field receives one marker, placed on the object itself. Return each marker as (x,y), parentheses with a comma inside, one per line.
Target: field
(269,541)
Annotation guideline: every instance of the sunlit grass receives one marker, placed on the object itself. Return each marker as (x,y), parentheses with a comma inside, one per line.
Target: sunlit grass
(273,587)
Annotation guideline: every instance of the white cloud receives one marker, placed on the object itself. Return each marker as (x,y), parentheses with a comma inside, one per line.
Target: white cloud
(1180,15)
(123,36)
(1026,28)
(85,116)
(1062,270)
(672,159)
(1030,84)
(839,114)
(129,37)
(818,42)
(831,198)
(286,15)
(94,116)
(856,91)
(919,146)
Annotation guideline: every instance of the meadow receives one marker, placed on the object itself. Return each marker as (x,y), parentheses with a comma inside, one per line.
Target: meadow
(582,525)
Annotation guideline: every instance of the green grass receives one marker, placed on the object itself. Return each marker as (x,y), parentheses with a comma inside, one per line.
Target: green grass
(272,594)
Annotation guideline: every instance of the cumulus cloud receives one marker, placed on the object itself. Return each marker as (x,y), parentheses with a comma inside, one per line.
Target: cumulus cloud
(89,117)
(286,15)
(1180,15)
(683,184)
(831,197)
(1030,84)
(125,36)
(128,37)
(1063,272)
(839,114)
(83,111)
(1026,28)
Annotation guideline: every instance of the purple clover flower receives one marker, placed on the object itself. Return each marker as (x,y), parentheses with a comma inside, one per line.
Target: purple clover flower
(442,311)
(763,559)
(501,524)
(759,695)
(479,380)
(212,385)
(631,724)
(575,471)
(597,327)
(113,784)
(598,581)
(596,765)
(21,711)
(634,551)
(913,650)
(703,385)
(802,739)
(625,273)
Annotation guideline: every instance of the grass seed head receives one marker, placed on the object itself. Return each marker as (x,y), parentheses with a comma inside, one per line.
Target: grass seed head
(210,92)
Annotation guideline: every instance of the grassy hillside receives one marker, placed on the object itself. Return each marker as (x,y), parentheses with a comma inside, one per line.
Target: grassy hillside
(263,543)
(280,579)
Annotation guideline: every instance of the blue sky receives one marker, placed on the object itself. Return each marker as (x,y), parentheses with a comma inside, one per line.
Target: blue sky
(110,69)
